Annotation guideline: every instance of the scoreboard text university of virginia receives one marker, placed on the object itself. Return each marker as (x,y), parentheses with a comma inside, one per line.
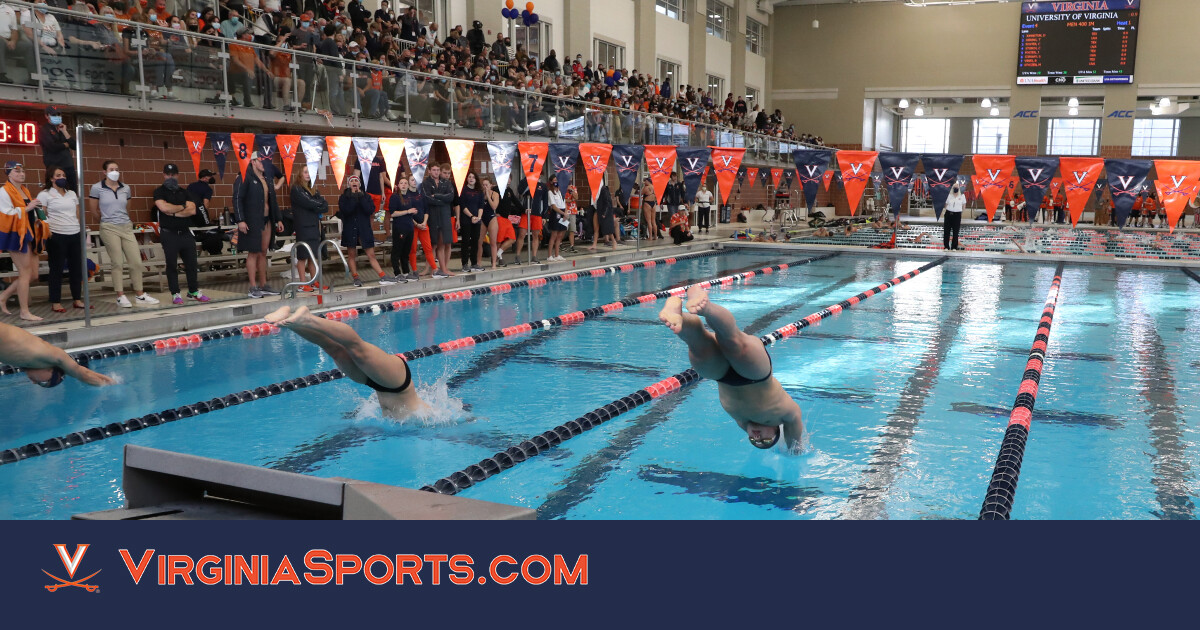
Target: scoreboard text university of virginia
(1078,42)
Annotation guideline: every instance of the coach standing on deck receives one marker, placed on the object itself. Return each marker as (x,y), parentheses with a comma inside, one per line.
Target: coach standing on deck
(176,209)
(955,204)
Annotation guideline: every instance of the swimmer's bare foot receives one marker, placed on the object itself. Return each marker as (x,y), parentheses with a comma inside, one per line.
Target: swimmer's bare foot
(672,314)
(300,314)
(279,315)
(697,299)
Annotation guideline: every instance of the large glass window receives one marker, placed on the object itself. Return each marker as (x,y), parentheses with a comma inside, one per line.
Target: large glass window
(1073,136)
(539,39)
(1155,137)
(609,55)
(751,97)
(674,9)
(717,23)
(756,37)
(990,136)
(670,72)
(716,88)
(925,135)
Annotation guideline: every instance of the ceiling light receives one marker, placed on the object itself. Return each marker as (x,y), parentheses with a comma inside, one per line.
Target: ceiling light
(903,103)
(920,111)
(995,111)
(1074,102)
(1164,103)
(1074,111)
(1155,111)
(986,103)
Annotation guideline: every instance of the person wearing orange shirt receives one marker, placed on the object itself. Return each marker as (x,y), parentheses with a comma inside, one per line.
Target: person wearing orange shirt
(244,69)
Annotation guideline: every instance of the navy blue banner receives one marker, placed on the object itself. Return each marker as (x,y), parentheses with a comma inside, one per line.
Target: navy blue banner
(1126,178)
(563,156)
(941,173)
(628,160)
(789,177)
(221,143)
(764,177)
(693,161)
(1036,174)
(741,176)
(898,170)
(811,165)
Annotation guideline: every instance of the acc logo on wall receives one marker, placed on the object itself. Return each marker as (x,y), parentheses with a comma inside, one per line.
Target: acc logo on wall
(1122,113)
(1028,113)
(71,563)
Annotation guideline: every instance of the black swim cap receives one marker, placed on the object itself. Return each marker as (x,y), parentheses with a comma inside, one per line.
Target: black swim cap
(57,376)
(763,444)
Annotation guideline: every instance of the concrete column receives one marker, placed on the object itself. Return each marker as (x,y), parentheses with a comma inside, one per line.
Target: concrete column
(737,65)
(697,59)
(643,33)
(577,33)
(1116,130)
(1024,127)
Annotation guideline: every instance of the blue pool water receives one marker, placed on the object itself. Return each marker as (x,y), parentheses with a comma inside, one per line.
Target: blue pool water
(906,398)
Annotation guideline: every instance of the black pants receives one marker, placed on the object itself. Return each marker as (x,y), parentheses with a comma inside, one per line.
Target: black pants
(702,221)
(679,236)
(60,249)
(469,242)
(176,244)
(950,230)
(402,244)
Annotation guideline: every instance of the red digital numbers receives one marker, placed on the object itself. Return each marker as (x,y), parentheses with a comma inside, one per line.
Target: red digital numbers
(18,132)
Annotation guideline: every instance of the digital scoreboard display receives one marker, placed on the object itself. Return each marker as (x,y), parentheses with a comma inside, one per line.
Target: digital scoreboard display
(17,131)
(1076,43)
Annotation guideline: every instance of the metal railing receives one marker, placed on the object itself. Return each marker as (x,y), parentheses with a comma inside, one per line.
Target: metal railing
(101,54)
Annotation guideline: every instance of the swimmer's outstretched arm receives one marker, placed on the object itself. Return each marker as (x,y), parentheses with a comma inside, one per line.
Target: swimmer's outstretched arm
(22,349)
(793,432)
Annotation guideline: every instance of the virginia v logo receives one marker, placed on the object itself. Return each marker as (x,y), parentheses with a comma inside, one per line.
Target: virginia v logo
(71,562)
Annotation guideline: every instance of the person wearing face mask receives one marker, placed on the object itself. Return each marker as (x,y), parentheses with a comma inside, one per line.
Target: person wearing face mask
(176,210)
(57,144)
(232,26)
(62,215)
(955,204)
(108,201)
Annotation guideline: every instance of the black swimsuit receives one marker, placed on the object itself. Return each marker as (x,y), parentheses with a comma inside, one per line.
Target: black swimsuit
(390,390)
(734,379)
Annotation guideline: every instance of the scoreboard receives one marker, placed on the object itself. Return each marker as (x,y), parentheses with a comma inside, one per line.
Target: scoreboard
(1076,43)
(18,131)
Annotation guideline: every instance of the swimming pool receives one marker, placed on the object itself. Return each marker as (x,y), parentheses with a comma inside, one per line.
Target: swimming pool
(906,398)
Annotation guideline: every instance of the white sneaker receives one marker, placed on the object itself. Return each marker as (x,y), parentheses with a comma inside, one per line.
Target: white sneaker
(153,92)
(146,299)
(124,302)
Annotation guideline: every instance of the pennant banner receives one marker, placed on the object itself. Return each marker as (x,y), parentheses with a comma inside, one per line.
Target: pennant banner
(628,158)
(221,143)
(1080,175)
(339,151)
(595,162)
(392,150)
(563,158)
(812,167)
(460,160)
(898,171)
(776,175)
(994,172)
(828,179)
(1176,181)
(941,173)
(764,177)
(288,147)
(789,177)
(1036,174)
(313,148)
(418,158)
(693,161)
(856,172)
(728,163)
(752,176)
(533,162)
(1125,181)
(195,145)
(741,176)
(264,145)
(502,154)
(243,146)
(1055,186)
(365,150)
(660,161)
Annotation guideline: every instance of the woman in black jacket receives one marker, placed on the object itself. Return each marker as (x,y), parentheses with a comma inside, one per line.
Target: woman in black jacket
(405,211)
(355,210)
(257,214)
(307,207)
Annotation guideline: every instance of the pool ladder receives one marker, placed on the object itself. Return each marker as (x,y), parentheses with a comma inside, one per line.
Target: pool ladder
(289,291)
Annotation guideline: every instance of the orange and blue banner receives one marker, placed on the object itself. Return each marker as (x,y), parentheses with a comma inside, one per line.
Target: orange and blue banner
(628,158)
(812,165)
(1126,178)
(693,161)
(941,173)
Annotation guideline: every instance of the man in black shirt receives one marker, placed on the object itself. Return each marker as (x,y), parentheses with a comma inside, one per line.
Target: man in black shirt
(57,145)
(439,196)
(175,211)
(202,194)
(475,38)
(333,71)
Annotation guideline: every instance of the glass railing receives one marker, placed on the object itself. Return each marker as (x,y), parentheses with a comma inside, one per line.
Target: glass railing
(149,63)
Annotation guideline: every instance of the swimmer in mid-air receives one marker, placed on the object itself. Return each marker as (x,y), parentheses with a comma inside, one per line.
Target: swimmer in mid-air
(362,362)
(740,365)
(46,365)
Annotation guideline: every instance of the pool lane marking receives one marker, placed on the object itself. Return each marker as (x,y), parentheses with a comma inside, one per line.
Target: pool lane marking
(193,340)
(1002,490)
(78,438)
(503,460)
(1191,274)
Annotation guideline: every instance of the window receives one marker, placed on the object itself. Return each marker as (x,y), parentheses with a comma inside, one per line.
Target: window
(756,37)
(925,135)
(1073,136)
(674,9)
(609,55)
(669,71)
(716,89)
(1155,137)
(540,41)
(718,20)
(991,136)
(751,97)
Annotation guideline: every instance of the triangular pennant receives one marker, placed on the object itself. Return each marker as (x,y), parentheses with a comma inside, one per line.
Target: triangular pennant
(221,144)
(827,178)
(693,162)
(313,148)
(941,174)
(660,161)
(418,158)
(460,152)
(628,158)
(898,171)
(752,176)
(1055,186)
(243,147)
(812,167)
(728,164)
(264,145)
(595,162)
(502,160)
(533,162)
(1176,181)
(1125,180)
(365,150)
(392,150)
(856,172)
(339,150)
(741,176)
(994,173)
(288,147)
(776,176)
(1080,175)
(764,177)
(195,146)
(563,157)
(1035,174)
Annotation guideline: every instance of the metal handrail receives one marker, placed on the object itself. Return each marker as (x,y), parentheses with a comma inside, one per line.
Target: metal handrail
(289,292)
(337,247)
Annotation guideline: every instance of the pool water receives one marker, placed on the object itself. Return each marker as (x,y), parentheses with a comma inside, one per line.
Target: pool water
(905,399)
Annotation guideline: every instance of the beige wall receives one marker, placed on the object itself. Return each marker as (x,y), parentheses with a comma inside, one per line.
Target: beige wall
(887,49)
(611,21)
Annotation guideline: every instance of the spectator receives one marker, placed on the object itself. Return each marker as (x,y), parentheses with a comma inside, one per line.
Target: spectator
(176,209)
(355,211)
(369,84)
(23,234)
(550,64)
(108,201)
(500,48)
(469,209)
(307,207)
(42,28)
(604,219)
(10,39)
(559,222)
(232,27)
(359,14)
(536,207)
(476,39)
(306,40)
(202,193)
(665,90)
(438,194)
(421,234)
(384,13)
(333,71)
(63,248)
(680,232)
(257,214)
(245,70)
(57,144)
(704,207)
(405,211)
